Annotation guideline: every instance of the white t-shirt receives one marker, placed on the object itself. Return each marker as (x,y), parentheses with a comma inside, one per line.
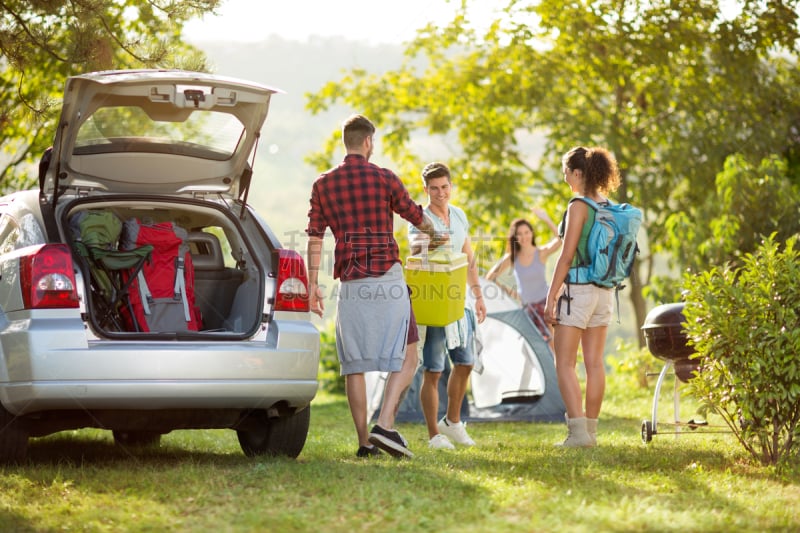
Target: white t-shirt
(458,230)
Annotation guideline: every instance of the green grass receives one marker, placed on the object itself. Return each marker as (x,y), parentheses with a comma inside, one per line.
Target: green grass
(515,480)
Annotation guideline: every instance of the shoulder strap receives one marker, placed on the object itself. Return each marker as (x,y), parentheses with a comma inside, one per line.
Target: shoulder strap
(582,260)
(588,201)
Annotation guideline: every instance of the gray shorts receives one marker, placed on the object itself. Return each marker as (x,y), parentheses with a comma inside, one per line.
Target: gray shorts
(372,319)
(590,306)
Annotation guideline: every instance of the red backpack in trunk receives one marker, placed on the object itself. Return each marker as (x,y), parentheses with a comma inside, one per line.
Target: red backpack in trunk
(162,295)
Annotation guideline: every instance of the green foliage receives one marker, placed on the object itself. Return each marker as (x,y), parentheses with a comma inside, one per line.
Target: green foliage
(744,323)
(631,364)
(748,203)
(329,376)
(44,42)
(671,87)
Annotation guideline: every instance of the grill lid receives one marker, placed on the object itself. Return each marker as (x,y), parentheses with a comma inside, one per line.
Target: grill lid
(664,335)
(666,315)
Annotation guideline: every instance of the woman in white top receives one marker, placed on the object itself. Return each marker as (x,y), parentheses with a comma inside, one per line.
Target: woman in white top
(528,263)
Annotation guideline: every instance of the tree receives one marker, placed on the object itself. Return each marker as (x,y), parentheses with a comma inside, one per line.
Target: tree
(45,41)
(748,204)
(671,87)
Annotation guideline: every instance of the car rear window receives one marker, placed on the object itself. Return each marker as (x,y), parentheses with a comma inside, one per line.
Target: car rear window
(206,131)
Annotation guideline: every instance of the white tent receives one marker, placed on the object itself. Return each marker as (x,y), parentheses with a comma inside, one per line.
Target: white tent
(513,370)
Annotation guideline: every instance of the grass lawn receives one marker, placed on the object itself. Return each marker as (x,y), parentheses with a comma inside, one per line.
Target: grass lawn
(515,480)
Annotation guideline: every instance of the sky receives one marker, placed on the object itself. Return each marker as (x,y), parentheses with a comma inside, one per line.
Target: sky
(390,21)
(372,21)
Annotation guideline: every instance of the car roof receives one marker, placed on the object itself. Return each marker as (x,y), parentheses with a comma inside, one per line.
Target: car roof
(157,132)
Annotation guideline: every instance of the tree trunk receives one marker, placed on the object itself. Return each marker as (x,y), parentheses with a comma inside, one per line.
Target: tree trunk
(639,304)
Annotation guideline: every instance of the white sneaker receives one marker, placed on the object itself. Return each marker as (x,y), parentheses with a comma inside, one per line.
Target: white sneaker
(457,432)
(440,442)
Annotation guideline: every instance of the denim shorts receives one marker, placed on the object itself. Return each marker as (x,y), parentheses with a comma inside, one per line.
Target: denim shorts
(435,349)
(589,306)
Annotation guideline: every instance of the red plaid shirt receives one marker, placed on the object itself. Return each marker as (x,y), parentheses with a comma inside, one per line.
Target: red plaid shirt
(357,200)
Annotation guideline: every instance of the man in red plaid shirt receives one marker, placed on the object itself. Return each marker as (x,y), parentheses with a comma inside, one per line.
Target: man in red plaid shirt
(375,330)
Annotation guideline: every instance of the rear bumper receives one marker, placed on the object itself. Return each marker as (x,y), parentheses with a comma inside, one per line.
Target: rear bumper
(52,368)
(29,398)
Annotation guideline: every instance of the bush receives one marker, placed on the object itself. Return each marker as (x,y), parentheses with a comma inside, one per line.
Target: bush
(329,376)
(745,326)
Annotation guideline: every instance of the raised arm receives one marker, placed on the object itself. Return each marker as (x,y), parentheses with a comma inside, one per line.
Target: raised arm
(553,244)
(544,217)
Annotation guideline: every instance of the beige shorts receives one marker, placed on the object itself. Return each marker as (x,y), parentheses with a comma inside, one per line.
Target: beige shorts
(590,306)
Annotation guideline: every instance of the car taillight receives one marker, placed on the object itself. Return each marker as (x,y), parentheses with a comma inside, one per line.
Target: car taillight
(292,282)
(47,278)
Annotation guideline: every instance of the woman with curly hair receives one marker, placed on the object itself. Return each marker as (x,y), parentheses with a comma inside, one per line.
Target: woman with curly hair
(581,314)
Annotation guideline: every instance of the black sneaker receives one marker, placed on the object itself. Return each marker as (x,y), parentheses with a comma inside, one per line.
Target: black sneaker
(372,451)
(390,441)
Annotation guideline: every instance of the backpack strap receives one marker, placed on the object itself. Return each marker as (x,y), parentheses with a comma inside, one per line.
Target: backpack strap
(588,201)
(144,292)
(583,261)
(565,296)
(179,288)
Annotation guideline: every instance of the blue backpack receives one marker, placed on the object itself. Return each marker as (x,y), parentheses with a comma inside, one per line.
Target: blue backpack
(611,246)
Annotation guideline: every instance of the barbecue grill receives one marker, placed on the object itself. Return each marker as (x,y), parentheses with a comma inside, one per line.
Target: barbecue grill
(666,340)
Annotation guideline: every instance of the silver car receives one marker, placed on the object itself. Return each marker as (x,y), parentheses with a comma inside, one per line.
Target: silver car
(82,341)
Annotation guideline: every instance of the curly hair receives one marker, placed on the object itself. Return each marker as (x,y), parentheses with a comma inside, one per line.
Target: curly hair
(599,168)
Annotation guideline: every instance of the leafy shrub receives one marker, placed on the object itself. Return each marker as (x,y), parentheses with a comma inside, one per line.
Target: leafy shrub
(328,375)
(744,323)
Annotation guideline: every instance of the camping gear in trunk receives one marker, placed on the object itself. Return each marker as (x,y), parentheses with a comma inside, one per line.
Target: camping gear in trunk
(162,293)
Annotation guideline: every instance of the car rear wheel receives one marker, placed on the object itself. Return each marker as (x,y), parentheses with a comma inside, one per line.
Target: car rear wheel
(138,439)
(282,436)
(13,438)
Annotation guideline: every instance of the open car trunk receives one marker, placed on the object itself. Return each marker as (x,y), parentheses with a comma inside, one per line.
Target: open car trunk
(156,267)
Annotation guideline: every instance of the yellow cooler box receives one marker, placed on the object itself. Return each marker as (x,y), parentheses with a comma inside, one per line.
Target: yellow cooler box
(438,285)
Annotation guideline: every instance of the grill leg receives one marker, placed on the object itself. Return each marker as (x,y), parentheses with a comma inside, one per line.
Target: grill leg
(667,367)
(676,409)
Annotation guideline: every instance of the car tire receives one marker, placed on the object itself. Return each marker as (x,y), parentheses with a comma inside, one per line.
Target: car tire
(281,436)
(13,438)
(137,439)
